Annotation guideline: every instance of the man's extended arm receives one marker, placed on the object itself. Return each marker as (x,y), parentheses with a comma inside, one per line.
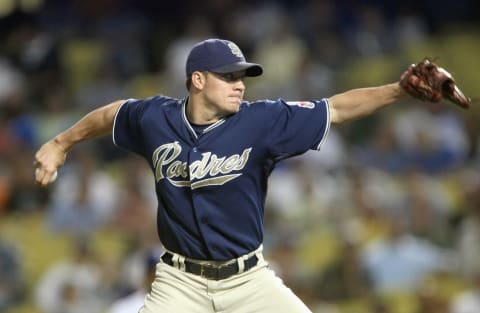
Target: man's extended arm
(52,154)
(357,103)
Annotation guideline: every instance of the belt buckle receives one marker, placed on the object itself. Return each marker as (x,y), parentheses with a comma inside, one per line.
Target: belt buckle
(206,271)
(211,271)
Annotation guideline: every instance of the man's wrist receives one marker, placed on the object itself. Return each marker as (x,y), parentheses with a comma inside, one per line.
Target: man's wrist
(61,143)
(399,91)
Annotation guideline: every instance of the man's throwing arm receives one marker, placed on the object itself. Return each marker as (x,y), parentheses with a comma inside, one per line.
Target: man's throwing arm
(53,153)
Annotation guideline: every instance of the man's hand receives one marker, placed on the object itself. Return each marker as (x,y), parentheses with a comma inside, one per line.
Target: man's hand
(48,159)
(429,82)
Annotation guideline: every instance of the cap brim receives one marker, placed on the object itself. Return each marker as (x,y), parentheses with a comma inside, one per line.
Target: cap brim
(251,69)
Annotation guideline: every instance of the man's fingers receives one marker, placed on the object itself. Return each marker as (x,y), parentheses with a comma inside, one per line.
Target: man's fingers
(44,177)
(39,174)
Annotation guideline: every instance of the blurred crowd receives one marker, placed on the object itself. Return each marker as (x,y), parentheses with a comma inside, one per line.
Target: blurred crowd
(388,209)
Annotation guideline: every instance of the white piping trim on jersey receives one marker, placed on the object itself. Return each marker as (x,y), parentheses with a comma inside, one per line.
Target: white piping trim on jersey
(189,126)
(185,120)
(115,120)
(217,123)
(328,125)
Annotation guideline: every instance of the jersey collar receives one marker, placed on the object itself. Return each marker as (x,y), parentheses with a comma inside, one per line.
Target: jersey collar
(189,126)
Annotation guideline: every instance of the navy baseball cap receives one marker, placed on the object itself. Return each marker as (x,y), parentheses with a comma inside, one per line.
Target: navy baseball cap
(219,56)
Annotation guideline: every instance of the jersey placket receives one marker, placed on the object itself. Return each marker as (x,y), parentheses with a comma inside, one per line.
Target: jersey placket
(196,155)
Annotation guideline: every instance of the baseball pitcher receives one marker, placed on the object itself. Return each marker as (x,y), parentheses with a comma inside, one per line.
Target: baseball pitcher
(211,154)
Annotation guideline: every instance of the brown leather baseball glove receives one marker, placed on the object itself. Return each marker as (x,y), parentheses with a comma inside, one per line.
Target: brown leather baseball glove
(429,82)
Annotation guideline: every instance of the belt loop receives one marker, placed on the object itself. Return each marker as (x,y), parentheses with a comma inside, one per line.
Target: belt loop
(259,250)
(241,264)
(175,260)
(259,255)
(181,262)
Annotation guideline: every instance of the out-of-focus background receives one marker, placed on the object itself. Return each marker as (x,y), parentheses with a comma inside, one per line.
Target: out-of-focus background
(386,218)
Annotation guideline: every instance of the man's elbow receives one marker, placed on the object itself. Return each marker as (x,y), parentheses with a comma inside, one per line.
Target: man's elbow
(336,117)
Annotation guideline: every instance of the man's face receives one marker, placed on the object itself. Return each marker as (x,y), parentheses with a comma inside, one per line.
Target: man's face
(224,91)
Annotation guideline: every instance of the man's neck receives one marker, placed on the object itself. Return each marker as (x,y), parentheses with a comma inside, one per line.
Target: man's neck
(198,113)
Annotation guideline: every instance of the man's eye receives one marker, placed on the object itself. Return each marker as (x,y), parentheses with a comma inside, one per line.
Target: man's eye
(229,76)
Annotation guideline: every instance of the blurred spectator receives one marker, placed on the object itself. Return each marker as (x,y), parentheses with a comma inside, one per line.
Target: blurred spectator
(430,208)
(286,189)
(382,150)
(84,200)
(379,306)
(333,157)
(281,46)
(124,29)
(468,301)
(23,195)
(12,80)
(409,28)
(346,278)
(372,195)
(319,15)
(106,87)
(400,261)
(429,300)
(238,24)
(132,264)
(433,137)
(12,283)
(57,111)
(468,232)
(134,300)
(135,212)
(74,285)
(312,77)
(370,37)
(17,130)
(197,28)
(19,121)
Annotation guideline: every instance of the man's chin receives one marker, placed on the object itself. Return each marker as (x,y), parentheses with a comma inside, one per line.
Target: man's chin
(234,107)
(232,110)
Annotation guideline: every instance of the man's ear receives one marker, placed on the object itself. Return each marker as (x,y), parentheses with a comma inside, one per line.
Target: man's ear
(198,80)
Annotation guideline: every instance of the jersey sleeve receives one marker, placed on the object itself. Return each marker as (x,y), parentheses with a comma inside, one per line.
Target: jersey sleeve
(126,126)
(297,126)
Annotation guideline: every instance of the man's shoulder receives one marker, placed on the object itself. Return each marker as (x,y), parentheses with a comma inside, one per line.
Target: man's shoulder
(156,103)
(266,108)
(259,104)
(281,105)
(162,100)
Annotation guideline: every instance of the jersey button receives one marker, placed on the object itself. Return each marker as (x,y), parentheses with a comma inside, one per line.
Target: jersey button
(194,149)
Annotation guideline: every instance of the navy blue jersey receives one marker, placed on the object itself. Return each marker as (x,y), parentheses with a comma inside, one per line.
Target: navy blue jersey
(211,186)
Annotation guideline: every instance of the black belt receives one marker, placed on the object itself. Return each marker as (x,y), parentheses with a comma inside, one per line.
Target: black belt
(210,271)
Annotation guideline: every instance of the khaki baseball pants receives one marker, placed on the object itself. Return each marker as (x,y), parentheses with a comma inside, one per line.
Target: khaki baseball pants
(258,290)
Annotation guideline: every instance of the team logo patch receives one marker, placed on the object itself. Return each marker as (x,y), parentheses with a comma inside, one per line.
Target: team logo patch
(235,50)
(302,104)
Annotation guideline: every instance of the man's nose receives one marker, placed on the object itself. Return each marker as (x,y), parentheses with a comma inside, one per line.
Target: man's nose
(240,85)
